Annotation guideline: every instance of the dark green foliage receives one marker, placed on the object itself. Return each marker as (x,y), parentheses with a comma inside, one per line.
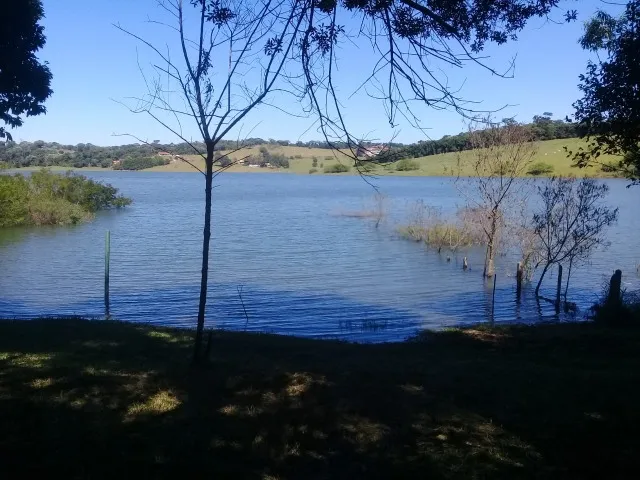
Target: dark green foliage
(314,162)
(540,168)
(277,160)
(14,195)
(313,170)
(45,198)
(542,128)
(609,111)
(406,165)
(617,306)
(24,81)
(225,161)
(137,163)
(475,22)
(336,168)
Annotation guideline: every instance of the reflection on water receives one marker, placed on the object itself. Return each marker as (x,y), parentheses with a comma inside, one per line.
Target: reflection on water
(304,270)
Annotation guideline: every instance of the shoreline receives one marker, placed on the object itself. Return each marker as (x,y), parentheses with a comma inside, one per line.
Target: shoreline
(378,172)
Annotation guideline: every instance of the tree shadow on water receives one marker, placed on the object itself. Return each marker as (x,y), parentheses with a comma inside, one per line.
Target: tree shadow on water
(93,399)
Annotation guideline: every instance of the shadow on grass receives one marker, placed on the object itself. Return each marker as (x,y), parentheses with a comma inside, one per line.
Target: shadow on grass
(91,399)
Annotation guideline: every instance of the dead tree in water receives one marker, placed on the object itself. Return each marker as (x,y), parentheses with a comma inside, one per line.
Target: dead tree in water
(571,222)
(502,153)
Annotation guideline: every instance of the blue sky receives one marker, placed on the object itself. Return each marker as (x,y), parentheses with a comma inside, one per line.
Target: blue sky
(94,65)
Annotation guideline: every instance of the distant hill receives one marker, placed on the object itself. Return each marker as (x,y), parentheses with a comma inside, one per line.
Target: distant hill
(429,157)
(140,156)
(301,161)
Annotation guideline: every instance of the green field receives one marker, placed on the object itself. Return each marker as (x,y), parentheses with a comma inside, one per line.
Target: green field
(97,399)
(550,152)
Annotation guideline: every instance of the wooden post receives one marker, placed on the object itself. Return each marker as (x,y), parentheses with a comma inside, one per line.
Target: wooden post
(615,286)
(519,275)
(559,289)
(465,265)
(107,258)
(493,299)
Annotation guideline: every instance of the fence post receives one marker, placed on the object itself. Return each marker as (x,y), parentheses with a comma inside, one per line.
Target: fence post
(493,299)
(107,258)
(519,275)
(559,289)
(615,286)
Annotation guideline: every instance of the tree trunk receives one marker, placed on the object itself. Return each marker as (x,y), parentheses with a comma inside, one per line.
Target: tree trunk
(544,272)
(197,353)
(489,259)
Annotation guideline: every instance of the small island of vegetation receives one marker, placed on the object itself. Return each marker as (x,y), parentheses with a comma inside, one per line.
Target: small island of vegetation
(46,198)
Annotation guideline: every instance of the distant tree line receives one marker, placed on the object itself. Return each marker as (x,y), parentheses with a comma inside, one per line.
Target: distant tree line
(543,127)
(139,163)
(139,156)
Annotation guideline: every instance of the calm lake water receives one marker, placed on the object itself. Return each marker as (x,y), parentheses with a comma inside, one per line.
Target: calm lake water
(303,269)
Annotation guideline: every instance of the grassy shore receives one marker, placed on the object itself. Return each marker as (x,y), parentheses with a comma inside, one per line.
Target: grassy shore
(301,162)
(95,399)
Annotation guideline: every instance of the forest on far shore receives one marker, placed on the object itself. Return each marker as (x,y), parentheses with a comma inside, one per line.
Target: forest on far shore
(138,156)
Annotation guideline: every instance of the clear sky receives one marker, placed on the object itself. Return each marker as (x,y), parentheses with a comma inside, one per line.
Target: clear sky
(94,64)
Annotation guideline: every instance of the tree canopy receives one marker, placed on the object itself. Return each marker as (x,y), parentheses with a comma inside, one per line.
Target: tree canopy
(24,80)
(411,40)
(609,111)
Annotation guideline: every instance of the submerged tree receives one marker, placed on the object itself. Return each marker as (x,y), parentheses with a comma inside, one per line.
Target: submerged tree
(24,80)
(231,56)
(608,114)
(571,222)
(502,153)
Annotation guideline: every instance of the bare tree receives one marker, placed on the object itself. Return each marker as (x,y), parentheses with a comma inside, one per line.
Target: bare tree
(501,154)
(571,222)
(221,45)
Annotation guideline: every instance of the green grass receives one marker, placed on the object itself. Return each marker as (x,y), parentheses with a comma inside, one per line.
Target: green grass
(301,162)
(550,152)
(95,399)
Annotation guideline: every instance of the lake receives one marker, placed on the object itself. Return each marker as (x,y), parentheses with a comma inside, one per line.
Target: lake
(281,246)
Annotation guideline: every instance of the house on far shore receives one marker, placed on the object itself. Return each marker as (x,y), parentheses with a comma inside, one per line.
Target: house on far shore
(164,154)
(115,162)
(371,150)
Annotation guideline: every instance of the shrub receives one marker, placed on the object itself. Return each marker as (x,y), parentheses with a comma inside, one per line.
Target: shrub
(406,165)
(55,211)
(313,170)
(45,198)
(14,195)
(225,161)
(540,168)
(279,160)
(314,162)
(440,235)
(328,158)
(336,168)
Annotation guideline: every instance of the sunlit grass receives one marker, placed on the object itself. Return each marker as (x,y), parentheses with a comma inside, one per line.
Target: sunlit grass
(301,162)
